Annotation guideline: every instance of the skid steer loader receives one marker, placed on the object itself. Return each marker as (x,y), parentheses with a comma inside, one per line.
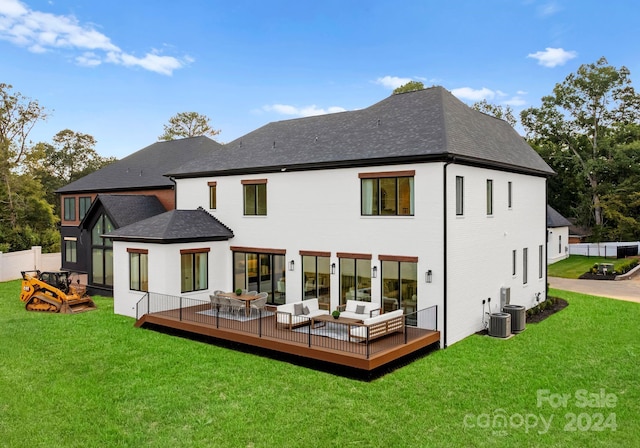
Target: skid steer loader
(54,292)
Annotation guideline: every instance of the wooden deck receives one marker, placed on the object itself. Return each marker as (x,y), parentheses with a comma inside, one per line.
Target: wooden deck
(304,342)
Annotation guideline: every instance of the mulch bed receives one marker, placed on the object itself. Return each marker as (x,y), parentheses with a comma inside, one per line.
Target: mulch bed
(592,276)
(558,305)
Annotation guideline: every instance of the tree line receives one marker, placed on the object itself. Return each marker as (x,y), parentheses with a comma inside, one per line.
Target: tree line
(587,129)
(31,173)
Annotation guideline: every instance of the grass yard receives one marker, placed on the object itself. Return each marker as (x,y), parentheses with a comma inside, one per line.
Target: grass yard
(93,380)
(576,265)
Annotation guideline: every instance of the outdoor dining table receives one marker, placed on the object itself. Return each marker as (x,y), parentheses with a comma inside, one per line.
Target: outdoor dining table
(246,297)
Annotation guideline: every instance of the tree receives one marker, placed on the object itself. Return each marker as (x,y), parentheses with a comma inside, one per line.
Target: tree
(582,123)
(187,124)
(502,112)
(18,116)
(70,157)
(411,86)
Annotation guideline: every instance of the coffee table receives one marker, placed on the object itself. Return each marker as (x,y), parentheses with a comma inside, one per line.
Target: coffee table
(324,318)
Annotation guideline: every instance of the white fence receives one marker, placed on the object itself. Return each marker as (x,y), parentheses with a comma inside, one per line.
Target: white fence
(26,260)
(600,249)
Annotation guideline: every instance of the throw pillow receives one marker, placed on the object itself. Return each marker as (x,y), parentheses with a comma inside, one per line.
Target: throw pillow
(297,309)
(360,309)
(305,310)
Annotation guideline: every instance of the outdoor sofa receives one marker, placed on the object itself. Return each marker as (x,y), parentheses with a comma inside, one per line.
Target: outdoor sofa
(356,309)
(378,326)
(299,313)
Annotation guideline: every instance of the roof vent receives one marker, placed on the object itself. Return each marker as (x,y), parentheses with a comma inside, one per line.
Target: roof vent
(274,145)
(378,122)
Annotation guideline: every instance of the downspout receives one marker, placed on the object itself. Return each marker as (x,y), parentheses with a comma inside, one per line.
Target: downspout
(175,192)
(444,255)
(546,242)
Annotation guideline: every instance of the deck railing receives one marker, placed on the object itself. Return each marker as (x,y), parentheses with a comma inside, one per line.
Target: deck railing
(262,323)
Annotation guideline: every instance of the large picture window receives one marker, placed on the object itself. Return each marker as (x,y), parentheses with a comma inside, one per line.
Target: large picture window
(101,252)
(194,269)
(255,196)
(138,269)
(316,272)
(69,209)
(399,283)
(389,194)
(355,277)
(261,270)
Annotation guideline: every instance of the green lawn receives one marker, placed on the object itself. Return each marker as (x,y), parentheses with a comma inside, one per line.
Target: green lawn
(93,380)
(576,265)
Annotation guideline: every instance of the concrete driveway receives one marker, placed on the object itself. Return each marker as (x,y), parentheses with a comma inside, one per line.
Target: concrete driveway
(623,289)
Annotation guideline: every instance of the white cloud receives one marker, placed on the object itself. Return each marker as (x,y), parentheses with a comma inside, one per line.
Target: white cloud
(392,82)
(306,111)
(515,101)
(40,32)
(467,93)
(548,9)
(552,57)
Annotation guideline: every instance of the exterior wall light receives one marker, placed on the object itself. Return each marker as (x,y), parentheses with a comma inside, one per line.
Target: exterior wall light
(333,268)
(374,274)
(428,276)
(292,265)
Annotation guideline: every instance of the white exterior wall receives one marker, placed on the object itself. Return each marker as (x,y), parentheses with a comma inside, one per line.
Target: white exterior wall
(557,244)
(480,246)
(164,271)
(320,211)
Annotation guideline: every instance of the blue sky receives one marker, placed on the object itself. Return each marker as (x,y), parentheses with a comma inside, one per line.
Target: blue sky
(119,70)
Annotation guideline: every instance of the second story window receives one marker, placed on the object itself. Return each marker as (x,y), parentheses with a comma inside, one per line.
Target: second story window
(489,197)
(459,195)
(387,194)
(69,209)
(255,196)
(85,203)
(213,201)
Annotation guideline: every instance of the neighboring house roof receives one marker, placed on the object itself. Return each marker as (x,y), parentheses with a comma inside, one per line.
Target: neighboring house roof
(555,219)
(425,125)
(124,209)
(145,168)
(175,226)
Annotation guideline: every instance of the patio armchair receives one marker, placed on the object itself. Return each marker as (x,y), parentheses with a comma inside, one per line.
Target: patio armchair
(224,304)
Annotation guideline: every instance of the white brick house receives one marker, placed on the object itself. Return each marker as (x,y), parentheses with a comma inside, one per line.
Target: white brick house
(415,201)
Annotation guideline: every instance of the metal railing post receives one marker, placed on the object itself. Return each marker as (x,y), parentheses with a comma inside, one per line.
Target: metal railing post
(310,322)
(260,323)
(368,344)
(180,309)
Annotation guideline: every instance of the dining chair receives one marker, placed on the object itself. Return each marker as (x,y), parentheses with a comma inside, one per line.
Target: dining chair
(224,304)
(236,305)
(251,293)
(214,301)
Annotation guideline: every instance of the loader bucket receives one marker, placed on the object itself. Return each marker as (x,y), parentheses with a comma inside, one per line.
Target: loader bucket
(72,306)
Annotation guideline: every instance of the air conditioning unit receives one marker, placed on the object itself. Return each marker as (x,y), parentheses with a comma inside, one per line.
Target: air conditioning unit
(500,325)
(505,296)
(518,317)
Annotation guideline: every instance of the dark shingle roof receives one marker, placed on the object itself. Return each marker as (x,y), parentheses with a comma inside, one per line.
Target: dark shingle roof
(145,168)
(124,209)
(417,126)
(175,226)
(555,219)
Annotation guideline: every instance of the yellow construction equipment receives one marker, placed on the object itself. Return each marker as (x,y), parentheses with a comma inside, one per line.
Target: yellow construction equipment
(54,292)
